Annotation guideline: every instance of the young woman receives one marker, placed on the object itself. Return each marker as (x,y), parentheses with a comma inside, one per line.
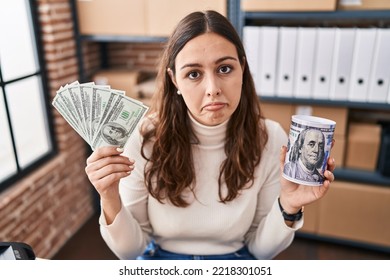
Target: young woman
(201,179)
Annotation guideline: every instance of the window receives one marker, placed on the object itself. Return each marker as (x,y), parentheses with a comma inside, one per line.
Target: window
(25,132)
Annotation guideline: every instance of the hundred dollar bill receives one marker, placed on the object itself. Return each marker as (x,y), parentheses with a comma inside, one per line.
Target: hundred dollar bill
(86,92)
(119,123)
(86,107)
(65,97)
(309,145)
(68,98)
(61,108)
(71,84)
(101,101)
(100,115)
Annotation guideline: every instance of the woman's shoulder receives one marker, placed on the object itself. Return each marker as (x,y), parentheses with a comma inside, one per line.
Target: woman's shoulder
(277,137)
(148,123)
(274,128)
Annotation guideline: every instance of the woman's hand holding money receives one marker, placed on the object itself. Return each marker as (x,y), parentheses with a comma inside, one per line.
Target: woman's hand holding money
(105,167)
(294,196)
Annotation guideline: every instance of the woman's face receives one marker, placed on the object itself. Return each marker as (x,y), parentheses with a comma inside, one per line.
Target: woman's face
(209,77)
(312,148)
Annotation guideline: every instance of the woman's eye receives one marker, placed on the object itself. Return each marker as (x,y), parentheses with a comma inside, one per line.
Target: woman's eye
(225,69)
(193,75)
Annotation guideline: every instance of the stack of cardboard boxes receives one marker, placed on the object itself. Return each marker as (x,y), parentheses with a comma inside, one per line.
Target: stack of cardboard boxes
(121,79)
(138,17)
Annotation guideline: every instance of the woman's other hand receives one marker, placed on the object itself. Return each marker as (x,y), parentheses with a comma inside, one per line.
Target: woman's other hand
(105,167)
(294,196)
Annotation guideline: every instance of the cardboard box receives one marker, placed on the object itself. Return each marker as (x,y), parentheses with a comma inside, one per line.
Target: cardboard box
(114,17)
(363,146)
(364,5)
(337,114)
(146,89)
(278,112)
(120,79)
(356,212)
(288,5)
(163,16)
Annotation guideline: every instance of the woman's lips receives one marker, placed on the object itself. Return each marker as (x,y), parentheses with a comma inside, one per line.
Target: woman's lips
(214,106)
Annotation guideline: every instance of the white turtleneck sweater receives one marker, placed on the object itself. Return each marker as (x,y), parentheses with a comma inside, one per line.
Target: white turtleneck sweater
(206,226)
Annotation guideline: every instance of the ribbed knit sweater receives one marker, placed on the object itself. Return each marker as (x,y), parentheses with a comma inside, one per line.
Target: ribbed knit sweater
(206,226)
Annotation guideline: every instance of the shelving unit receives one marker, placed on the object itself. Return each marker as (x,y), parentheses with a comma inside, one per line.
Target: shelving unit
(362,177)
(353,188)
(381,18)
(328,102)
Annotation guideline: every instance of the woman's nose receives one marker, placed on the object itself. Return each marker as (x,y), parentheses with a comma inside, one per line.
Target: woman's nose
(212,88)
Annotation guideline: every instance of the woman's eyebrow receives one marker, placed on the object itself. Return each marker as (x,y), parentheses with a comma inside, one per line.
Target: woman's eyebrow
(219,60)
(225,58)
(190,65)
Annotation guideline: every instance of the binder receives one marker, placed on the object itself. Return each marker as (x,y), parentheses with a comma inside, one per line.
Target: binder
(342,63)
(361,65)
(306,45)
(380,74)
(268,45)
(323,62)
(286,61)
(251,40)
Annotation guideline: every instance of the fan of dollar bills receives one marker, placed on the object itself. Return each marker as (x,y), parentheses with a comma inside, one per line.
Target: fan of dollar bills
(101,115)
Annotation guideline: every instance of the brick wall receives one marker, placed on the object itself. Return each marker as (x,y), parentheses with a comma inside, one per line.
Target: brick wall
(91,58)
(46,208)
(140,56)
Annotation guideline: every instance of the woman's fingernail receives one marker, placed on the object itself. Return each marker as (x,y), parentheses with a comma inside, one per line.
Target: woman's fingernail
(120,150)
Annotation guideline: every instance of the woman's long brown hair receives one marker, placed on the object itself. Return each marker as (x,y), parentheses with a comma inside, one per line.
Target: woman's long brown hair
(170,168)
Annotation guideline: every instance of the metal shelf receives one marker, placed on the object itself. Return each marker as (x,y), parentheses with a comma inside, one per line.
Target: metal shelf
(327,102)
(344,242)
(361,176)
(348,15)
(122,38)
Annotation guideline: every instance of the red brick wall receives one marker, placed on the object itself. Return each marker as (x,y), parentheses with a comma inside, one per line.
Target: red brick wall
(91,57)
(140,56)
(46,208)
